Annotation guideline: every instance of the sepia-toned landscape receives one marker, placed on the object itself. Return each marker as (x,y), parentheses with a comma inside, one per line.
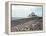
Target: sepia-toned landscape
(26,18)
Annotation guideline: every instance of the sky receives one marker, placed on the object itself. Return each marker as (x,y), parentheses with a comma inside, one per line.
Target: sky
(24,11)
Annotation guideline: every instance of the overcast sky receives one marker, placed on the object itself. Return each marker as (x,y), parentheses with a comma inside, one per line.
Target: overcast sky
(24,11)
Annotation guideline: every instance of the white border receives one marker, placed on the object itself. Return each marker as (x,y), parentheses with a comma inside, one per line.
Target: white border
(29,3)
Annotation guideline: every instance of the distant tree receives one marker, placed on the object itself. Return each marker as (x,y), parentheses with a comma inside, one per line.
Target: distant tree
(33,15)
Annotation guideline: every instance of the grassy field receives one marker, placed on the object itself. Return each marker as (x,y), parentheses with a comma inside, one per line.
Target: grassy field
(27,24)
